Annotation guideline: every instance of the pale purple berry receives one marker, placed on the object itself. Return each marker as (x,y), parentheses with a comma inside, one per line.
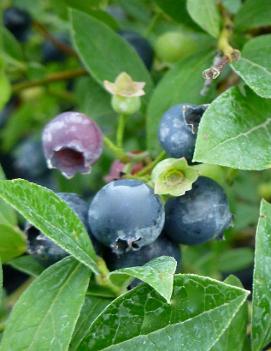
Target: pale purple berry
(72,142)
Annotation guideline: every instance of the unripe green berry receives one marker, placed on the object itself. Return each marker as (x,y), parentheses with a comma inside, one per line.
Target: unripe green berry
(173,46)
(125,105)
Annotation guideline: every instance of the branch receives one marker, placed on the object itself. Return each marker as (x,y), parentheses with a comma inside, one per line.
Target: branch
(226,53)
(54,77)
(66,49)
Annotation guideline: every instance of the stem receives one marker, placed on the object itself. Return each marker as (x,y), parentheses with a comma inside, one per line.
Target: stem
(120,131)
(227,53)
(103,279)
(121,155)
(225,35)
(223,44)
(151,165)
(54,77)
(117,151)
(66,49)
(152,23)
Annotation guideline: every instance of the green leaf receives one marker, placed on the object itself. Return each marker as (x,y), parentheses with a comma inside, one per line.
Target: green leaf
(176,10)
(253,14)
(233,280)
(142,320)
(28,265)
(235,131)
(12,242)
(1,283)
(52,216)
(254,67)
(158,273)
(182,84)
(93,100)
(5,89)
(12,50)
(235,259)
(92,307)
(205,14)
(91,9)
(173,176)
(231,339)
(7,214)
(45,315)
(261,301)
(233,6)
(108,55)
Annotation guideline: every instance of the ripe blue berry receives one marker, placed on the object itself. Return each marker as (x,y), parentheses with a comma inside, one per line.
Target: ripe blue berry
(126,215)
(177,131)
(30,167)
(72,142)
(51,53)
(8,109)
(141,46)
(44,249)
(199,215)
(162,246)
(18,22)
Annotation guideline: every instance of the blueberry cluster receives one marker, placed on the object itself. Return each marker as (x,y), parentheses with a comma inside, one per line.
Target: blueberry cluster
(127,222)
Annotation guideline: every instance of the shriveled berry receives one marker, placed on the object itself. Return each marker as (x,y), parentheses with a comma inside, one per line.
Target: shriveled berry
(126,215)
(141,46)
(18,22)
(177,131)
(162,246)
(72,142)
(43,248)
(199,215)
(117,169)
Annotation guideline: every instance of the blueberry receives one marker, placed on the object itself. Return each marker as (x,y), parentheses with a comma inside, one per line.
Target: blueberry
(177,131)
(141,46)
(44,249)
(126,215)
(51,53)
(72,142)
(199,215)
(8,109)
(160,247)
(18,22)
(30,167)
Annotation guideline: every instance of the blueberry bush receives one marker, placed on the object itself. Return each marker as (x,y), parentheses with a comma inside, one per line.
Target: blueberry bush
(135,184)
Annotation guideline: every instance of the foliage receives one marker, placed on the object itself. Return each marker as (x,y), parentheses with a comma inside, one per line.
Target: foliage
(78,303)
